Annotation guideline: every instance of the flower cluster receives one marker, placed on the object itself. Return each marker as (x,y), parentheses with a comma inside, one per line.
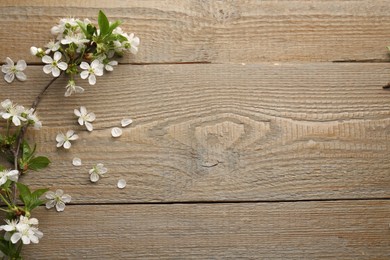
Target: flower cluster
(24,229)
(80,48)
(19,115)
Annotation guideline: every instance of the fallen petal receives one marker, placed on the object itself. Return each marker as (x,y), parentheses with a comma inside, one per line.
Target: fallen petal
(76,161)
(116,132)
(125,122)
(121,183)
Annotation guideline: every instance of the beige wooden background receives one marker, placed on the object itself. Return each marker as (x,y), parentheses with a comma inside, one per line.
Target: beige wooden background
(261,130)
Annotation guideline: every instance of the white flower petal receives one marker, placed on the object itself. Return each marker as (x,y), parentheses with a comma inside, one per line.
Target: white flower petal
(73,137)
(59,192)
(98,71)
(5,68)
(126,121)
(76,161)
(51,203)
(57,56)
(84,74)
(92,79)
(21,65)
(83,110)
(89,126)
(66,198)
(9,61)
(116,132)
(62,65)
(77,112)
(47,69)
(9,77)
(94,177)
(69,133)
(81,121)
(67,144)
(21,76)
(47,59)
(91,117)
(50,195)
(26,240)
(121,183)
(61,143)
(16,237)
(55,72)
(60,137)
(60,206)
(84,65)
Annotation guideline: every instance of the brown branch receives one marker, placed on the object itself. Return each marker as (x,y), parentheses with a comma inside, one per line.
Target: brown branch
(22,132)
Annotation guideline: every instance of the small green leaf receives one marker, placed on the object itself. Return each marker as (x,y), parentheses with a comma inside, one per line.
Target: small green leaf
(2,168)
(104,24)
(113,26)
(39,192)
(91,29)
(38,163)
(83,28)
(35,198)
(24,192)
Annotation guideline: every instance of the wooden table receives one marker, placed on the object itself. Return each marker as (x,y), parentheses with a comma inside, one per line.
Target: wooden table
(261,130)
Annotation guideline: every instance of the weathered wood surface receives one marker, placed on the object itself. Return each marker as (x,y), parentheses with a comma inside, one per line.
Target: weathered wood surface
(267,121)
(229,31)
(303,230)
(222,132)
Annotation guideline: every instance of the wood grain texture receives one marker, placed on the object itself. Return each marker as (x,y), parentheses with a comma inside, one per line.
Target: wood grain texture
(304,230)
(222,133)
(226,31)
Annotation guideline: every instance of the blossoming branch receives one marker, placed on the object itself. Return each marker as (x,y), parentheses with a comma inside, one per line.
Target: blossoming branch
(80,51)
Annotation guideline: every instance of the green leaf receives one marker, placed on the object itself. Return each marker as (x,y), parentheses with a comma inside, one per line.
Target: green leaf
(104,24)
(113,26)
(2,168)
(38,163)
(83,28)
(91,29)
(39,192)
(24,192)
(35,198)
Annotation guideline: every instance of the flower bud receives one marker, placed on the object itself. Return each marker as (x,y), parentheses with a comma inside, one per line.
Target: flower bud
(37,51)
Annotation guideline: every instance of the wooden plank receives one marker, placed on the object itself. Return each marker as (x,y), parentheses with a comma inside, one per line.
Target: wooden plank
(305,230)
(221,132)
(216,31)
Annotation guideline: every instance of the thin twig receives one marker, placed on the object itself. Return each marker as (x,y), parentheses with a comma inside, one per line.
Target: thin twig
(34,106)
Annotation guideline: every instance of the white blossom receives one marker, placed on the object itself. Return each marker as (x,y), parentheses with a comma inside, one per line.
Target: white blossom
(96,68)
(26,231)
(96,172)
(109,65)
(134,42)
(61,27)
(13,112)
(64,139)
(72,88)
(85,118)
(76,38)
(52,46)
(54,65)
(6,175)
(11,70)
(57,199)
(33,119)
